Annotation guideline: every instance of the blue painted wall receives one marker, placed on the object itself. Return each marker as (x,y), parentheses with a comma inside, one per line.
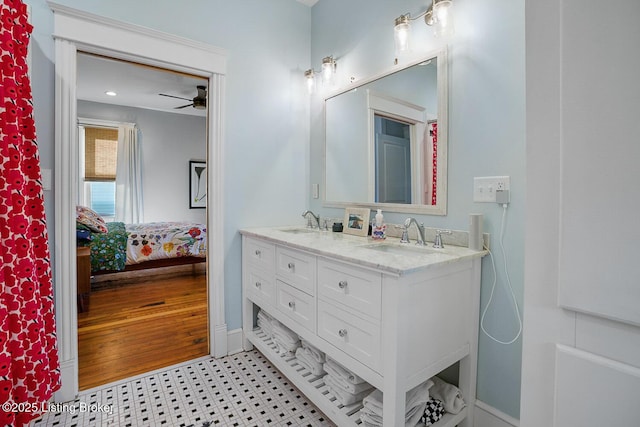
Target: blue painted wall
(486,138)
(267,108)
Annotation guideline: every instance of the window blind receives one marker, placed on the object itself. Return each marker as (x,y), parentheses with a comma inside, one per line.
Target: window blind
(101,154)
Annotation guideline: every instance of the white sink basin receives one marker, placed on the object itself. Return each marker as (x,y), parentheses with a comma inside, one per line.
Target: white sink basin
(404,249)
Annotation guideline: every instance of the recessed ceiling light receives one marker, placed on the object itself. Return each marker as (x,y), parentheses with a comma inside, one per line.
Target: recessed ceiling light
(110,93)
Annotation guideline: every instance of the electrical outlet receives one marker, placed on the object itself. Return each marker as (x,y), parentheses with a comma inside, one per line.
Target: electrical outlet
(484,188)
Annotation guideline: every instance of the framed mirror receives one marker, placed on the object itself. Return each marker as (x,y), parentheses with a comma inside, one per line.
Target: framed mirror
(386,140)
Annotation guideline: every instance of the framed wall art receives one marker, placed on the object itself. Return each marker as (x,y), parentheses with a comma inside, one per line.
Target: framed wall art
(197,184)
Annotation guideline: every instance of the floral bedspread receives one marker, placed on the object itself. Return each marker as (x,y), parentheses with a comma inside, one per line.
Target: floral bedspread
(108,250)
(158,240)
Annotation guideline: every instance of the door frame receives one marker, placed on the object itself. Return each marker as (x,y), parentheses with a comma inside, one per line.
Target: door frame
(75,31)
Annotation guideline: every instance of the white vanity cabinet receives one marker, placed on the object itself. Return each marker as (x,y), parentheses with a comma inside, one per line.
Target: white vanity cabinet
(395,325)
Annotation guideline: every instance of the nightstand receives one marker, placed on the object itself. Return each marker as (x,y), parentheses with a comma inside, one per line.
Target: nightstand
(84,278)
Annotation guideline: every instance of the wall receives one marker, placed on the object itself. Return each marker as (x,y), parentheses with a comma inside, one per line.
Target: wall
(266,110)
(486,138)
(169,141)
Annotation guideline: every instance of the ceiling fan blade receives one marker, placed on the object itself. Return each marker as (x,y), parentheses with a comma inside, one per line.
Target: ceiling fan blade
(183,106)
(173,96)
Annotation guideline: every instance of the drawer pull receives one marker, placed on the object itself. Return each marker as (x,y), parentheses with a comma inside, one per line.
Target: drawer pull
(292,305)
(258,252)
(258,285)
(342,333)
(342,284)
(291,266)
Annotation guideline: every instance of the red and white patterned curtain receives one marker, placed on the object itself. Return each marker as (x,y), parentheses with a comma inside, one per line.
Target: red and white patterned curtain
(29,366)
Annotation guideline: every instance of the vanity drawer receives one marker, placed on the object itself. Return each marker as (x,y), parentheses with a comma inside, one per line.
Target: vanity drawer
(260,254)
(299,306)
(297,268)
(260,286)
(358,338)
(353,287)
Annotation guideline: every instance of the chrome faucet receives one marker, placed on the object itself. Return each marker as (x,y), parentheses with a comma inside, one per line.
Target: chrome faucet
(437,243)
(419,227)
(309,223)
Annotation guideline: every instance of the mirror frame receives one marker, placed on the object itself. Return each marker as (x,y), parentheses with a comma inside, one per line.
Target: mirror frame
(440,208)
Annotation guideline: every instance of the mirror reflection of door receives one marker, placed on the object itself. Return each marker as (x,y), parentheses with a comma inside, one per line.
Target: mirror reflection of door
(392,160)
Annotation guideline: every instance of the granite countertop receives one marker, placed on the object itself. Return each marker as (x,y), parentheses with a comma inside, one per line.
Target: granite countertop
(388,255)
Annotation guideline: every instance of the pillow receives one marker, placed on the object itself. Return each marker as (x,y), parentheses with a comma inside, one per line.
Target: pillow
(91,219)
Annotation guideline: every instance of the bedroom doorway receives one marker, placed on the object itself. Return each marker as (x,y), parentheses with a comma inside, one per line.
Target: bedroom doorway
(135,124)
(76,31)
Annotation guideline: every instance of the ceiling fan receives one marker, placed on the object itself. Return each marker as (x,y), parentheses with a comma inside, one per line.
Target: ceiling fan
(199,102)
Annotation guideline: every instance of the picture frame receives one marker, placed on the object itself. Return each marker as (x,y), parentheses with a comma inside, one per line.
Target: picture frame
(197,184)
(356,221)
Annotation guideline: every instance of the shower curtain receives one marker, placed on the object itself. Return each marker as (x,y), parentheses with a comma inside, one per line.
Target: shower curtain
(29,366)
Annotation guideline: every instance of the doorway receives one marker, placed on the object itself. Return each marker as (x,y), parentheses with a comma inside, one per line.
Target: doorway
(138,131)
(78,31)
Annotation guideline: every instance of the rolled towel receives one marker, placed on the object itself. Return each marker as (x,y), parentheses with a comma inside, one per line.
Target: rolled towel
(433,412)
(342,372)
(449,395)
(342,396)
(317,354)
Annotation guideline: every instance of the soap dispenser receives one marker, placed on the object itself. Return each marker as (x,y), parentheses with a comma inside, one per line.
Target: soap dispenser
(379,228)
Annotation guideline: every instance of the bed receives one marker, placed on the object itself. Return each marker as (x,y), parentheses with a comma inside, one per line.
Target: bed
(116,246)
(127,247)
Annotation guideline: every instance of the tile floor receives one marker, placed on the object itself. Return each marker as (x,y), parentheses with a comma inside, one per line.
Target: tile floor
(239,390)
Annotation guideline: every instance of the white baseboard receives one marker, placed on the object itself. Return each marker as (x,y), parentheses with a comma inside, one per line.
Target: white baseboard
(234,341)
(487,416)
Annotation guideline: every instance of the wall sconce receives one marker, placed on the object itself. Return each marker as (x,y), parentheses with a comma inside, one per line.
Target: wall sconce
(328,72)
(438,15)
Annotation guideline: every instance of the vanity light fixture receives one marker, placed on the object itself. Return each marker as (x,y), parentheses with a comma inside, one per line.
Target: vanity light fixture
(438,15)
(310,76)
(328,71)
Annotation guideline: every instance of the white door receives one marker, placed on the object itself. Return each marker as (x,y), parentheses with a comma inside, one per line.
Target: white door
(581,346)
(393,169)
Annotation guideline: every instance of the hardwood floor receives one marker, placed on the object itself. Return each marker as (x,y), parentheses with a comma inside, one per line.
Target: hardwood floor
(138,327)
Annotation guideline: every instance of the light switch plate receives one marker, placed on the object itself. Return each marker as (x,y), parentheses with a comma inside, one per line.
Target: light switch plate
(315,188)
(484,188)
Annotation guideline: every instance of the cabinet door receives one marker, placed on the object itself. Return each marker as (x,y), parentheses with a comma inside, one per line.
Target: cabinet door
(260,254)
(297,305)
(357,337)
(297,268)
(261,287)
(352,287)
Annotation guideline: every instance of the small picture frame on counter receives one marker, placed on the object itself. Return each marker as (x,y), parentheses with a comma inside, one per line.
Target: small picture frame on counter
(356,221)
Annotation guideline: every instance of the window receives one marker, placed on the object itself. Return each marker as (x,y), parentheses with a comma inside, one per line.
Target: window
(99,146)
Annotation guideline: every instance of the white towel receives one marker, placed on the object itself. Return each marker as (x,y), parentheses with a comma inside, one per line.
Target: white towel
(308,361)
(418,395)
(317,354)
(449,395)
(342,372)
(416,402)
(344,397)
(343,384)
(285,334)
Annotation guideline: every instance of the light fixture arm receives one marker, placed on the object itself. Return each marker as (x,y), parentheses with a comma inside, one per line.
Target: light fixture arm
(428,14)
